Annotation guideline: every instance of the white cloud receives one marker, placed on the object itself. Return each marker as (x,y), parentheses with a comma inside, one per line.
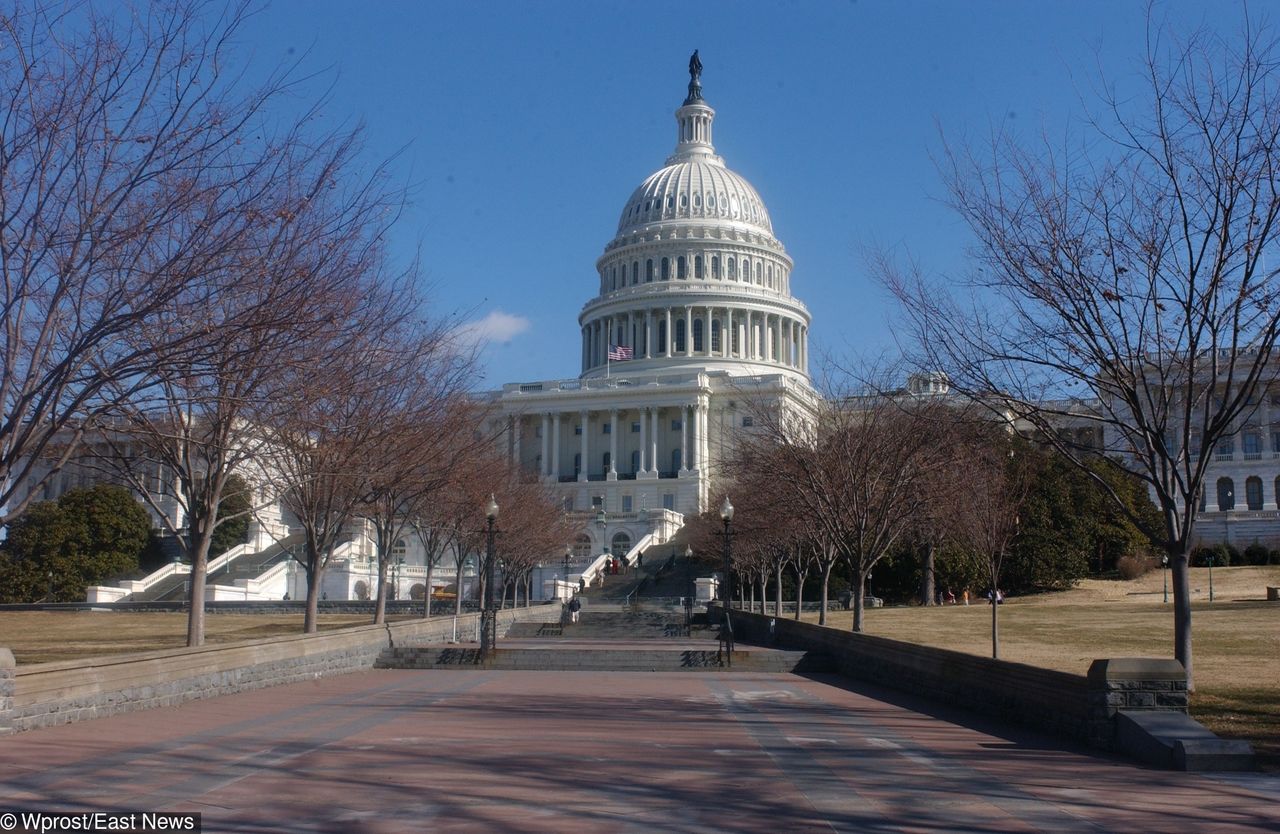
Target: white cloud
(497,327)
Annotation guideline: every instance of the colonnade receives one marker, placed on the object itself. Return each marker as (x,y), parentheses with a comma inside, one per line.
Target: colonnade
(699,331)
(656,442)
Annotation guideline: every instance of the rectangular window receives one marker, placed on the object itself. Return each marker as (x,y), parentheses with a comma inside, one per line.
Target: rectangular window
(1252,446)
(675,425)
(606,428)
(668,501)
(577,429)
(1275,443)
(635,428)
(568,503)
(747,422)
(626,503)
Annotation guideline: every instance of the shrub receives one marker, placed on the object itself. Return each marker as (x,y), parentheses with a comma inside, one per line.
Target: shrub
(1224,555)
(1274,557)
(1134,565)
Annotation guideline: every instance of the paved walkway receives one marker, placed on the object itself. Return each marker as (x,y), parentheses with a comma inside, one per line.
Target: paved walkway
(487,751)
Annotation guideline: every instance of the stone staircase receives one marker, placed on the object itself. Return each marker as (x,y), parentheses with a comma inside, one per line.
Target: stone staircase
(609,641)
(603,659)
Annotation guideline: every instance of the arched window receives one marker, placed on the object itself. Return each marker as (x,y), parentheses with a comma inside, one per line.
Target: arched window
(715,267)
(759,273)
(731,269)
(734,341)
(635,273)
(648,271)
(621,544)
(662,336)
(680,336)
(697,267)
(361,590)
(769,279)
(682,269)
(1253,492)
(697,335)
(715,336)
(615,278)
(666,269)
(1226,494)
(582,548)
(635,461)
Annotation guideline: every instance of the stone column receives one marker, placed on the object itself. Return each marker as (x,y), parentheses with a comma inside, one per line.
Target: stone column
(545,468)
(670,335)
(653,443)
(555,446)
(648,334)
(695,440)
(706,331)
(684,439)
(586,447)
(644,444)
(612,474)
(688,334)
(631,333)
(704,438)
(727,335)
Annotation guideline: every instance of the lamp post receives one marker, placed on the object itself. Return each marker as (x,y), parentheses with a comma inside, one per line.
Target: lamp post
(50,586)
(1164,562)
(568,561)
(397,568)
(488,616)
(726,515)
(1211,577)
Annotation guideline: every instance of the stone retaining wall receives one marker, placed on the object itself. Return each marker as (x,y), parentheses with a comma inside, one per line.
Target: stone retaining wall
(48,694)
(1076,706)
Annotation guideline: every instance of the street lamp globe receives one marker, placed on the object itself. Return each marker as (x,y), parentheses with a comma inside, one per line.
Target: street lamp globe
(726,510)
(491,509)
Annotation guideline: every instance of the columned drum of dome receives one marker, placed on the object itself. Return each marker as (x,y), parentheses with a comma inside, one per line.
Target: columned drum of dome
(694,276)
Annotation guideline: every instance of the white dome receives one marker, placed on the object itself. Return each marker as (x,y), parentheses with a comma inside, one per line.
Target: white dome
(699,189)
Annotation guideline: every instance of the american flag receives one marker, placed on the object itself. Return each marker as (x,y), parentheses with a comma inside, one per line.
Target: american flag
(618,353)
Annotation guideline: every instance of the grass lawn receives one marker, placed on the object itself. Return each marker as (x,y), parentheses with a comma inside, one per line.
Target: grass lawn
(1236,639)
(45,636)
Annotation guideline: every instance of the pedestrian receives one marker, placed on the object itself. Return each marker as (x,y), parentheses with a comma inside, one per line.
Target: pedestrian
(951,597)
(575,606)
(966,596)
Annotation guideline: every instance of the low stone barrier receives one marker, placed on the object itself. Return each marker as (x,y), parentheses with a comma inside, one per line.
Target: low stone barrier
(1069,705)
(1273,593)
(48,694)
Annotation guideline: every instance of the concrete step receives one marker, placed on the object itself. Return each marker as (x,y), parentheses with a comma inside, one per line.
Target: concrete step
(1175,740)
(603,660)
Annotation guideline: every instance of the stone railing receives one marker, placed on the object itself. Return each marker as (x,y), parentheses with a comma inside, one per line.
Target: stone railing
(1077,706)
(48,694)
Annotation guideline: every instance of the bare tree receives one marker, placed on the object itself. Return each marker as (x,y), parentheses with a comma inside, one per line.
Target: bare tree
(985,521)
(1126,285)
(430,432)
(326,438)
(136,173)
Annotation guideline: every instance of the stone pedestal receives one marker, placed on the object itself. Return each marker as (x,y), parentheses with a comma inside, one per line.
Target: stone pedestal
(1130,684)
(7,670)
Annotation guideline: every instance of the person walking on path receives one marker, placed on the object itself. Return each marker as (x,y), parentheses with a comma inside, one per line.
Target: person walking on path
(575,607)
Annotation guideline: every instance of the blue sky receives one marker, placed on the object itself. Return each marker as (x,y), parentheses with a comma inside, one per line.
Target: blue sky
(525,126)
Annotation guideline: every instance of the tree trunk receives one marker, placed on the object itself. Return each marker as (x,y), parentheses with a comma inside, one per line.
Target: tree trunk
(1178,563)
(995,624)
(380,607)
(777,589)
(928,579)
(801,576)
(426,595)
(859,580)
(311,618)
(826,584)
(195,589)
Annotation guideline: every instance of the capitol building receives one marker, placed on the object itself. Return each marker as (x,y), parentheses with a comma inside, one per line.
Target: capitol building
(693,328)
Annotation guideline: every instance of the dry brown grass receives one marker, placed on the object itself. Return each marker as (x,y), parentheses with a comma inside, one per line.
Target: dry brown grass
(1236,639)
(45,636)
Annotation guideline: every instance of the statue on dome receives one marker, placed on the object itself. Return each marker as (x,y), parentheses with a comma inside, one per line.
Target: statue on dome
(695,67)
